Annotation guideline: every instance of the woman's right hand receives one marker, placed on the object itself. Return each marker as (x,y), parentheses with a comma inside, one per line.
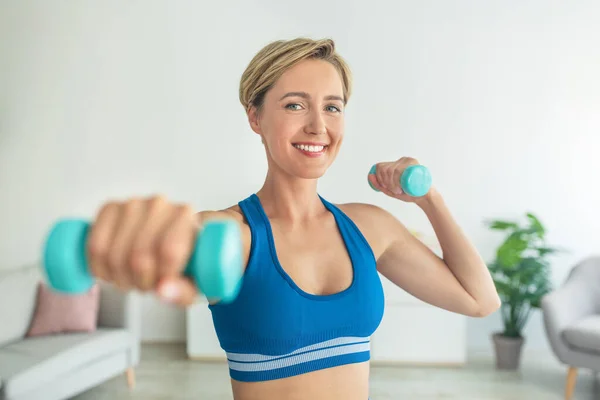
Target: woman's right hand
(145,244)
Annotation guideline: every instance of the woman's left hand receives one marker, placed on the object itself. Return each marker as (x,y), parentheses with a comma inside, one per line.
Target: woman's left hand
(387,179)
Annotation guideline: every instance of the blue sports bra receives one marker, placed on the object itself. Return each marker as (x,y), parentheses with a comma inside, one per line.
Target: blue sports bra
(274,329)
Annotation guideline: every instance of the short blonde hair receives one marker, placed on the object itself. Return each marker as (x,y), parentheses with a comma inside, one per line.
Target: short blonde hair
(276,57)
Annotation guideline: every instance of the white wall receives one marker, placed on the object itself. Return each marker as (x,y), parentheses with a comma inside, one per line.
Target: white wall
(112,99)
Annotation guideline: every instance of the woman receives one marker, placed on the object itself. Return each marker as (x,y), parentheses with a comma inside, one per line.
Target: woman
(311,295)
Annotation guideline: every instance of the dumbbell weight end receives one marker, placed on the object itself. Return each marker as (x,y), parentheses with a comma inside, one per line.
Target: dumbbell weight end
(64,261)
(216,263)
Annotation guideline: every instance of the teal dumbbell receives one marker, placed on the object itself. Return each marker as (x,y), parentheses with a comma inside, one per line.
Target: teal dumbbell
(215,264)
(415,180)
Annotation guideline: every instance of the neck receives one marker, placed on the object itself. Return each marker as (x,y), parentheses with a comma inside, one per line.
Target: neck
(290,198)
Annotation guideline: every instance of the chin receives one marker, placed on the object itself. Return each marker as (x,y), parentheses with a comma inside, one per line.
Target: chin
(301,171)
(309,175)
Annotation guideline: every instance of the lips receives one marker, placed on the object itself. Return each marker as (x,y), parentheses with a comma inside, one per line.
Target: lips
(311,149)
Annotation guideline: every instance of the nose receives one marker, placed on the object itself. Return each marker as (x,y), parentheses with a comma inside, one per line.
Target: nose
(316,124)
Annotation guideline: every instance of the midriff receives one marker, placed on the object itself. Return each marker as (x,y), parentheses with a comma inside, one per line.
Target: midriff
(346,382)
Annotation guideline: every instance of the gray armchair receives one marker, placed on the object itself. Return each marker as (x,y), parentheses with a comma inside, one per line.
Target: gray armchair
(571,316)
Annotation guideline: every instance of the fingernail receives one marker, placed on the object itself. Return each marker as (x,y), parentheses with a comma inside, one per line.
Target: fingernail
(169,291)
(398,191)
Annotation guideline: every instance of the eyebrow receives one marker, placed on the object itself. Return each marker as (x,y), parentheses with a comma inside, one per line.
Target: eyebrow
(307,96)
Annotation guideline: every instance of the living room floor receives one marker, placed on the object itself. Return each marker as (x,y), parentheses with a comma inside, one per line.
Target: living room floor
(166,373)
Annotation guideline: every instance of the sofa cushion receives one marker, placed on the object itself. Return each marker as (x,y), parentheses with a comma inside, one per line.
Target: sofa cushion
(584,334)
(62,313)
(18,288)
(38,360)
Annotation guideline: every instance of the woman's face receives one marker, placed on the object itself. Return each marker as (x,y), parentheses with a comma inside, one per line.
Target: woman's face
(301,121)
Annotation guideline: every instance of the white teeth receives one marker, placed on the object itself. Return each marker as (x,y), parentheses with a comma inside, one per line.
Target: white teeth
(312,149)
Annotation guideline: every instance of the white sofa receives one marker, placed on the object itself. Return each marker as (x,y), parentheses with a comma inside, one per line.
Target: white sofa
(59,366)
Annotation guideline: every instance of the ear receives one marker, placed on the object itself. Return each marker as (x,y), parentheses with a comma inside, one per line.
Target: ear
(253,119)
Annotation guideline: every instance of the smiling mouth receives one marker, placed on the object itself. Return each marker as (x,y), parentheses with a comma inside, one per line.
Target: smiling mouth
(311,148)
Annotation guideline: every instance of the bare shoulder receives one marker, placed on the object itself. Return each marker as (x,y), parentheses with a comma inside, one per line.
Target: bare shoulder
(378,225)
(363,211)
(233,212)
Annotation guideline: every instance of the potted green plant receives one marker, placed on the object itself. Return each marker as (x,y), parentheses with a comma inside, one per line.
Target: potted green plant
(521,273)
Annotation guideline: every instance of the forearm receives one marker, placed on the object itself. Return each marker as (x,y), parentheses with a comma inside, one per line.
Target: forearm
(459,254)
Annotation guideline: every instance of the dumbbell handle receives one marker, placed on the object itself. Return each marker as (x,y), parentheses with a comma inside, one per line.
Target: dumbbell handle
(415,180)
(215,264)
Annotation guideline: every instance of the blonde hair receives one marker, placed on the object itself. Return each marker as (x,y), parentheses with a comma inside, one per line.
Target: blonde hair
(276,57)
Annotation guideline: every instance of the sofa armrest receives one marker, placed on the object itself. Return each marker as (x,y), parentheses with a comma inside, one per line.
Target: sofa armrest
(564,306)
(120,309)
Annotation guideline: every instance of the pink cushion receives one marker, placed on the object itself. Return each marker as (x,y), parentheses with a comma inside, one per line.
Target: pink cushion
(61,313)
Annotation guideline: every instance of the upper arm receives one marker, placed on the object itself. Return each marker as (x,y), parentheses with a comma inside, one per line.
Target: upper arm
(409,263)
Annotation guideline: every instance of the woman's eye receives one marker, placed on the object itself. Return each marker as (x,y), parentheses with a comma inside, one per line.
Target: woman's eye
(296,107)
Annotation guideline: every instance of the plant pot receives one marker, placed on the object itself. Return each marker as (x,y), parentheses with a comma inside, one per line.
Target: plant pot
(508,351)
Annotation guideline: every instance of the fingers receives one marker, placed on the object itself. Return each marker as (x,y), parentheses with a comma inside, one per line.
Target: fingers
(138,242)
(100,239)
(387,177)
(144,263)
(395,176)
(380,176)
(392,178)
(373,179)
(177,242)
(131,216)
(178,290)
